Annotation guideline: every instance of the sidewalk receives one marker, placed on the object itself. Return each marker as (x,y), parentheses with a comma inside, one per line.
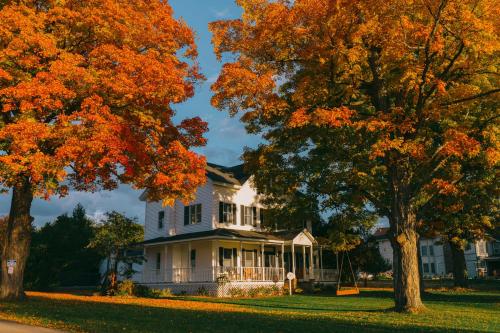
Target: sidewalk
(12,327)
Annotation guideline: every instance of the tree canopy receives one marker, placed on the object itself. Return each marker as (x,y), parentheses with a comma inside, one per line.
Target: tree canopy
(86,95)
(365,105)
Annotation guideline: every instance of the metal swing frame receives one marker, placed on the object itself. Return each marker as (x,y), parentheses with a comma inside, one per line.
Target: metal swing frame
(350,291)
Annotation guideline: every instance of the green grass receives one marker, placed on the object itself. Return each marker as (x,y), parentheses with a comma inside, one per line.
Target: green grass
(368,312)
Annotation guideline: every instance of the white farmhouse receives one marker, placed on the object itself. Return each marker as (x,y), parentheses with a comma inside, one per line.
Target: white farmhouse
(218,239)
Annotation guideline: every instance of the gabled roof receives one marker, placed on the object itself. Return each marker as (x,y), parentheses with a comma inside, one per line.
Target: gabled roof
(381,233)
(234,175)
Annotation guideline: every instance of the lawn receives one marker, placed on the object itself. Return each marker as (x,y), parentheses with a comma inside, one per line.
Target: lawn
(369,312)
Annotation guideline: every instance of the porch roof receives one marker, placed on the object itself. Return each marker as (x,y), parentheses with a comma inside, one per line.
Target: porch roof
(220,233)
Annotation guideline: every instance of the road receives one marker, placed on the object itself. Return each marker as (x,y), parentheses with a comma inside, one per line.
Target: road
(11,327)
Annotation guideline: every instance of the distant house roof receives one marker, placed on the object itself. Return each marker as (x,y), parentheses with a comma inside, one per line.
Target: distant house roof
(381,233)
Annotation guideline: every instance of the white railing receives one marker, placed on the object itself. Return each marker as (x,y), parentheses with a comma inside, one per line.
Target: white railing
(181,275)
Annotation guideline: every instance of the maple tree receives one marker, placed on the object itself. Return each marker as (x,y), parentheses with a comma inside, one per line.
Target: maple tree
(364,103)
(86,102)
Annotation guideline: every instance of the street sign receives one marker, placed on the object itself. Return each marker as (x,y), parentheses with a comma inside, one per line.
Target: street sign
(11,263)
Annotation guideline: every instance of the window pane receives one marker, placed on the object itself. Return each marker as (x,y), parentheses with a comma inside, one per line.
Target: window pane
(431,250)
(433,268)
(424,250)
(426,268)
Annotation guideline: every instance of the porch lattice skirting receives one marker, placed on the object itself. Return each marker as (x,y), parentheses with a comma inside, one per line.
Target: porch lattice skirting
(213,288)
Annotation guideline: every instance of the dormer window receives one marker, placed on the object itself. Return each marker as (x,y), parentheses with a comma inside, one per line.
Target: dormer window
(161,219)
(227,212)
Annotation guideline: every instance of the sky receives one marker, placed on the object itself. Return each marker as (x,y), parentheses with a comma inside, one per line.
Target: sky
(226,136)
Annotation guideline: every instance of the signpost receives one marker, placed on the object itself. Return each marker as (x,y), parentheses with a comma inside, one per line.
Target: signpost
(290,276)
(11,263)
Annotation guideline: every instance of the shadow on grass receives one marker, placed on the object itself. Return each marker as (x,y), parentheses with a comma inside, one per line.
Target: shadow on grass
(458,298)
(109,317)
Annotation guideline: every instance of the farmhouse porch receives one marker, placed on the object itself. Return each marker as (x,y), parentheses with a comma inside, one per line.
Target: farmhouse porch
(236,256)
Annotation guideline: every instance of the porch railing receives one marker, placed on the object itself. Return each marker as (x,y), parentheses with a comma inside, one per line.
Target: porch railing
(213,274)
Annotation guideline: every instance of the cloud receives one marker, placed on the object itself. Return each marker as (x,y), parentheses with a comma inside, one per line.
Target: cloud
(223,13)
(124,200)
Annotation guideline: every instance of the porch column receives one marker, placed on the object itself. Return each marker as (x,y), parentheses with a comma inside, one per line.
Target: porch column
(311,264)
(165,266)
(240,261)
(282,262)
(321,262)
(304,261)
(189,262)
(293,258)
(262,263)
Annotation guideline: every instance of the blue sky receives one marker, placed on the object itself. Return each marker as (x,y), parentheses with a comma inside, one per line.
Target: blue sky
(226,136)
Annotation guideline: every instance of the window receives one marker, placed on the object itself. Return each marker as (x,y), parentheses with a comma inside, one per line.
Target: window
(424,250)
(158,260)
(227,212)
(426,268)
(227,257)
(431,250)
(433,268)
(161,218)
(192,214)
(193,258)
(248,215)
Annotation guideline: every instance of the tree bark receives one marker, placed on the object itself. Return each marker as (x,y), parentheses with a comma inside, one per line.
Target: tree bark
(17,242)
(459,266)
(404,239)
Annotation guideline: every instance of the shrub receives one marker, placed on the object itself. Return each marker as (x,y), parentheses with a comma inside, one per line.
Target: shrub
(202,291)
(236,292)
(126,288)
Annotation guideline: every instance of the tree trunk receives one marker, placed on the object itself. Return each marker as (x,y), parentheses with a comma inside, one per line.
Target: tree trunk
(404,239)
(459,266)
(16,242)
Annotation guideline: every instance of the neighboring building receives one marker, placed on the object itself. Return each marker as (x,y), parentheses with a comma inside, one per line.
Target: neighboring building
(219,237)
(436,257)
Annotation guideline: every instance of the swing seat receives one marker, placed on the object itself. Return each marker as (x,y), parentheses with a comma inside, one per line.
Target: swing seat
(345,292)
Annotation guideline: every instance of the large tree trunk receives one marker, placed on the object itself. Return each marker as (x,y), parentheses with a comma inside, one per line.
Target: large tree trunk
(459,266)
(17,242)
(404,241)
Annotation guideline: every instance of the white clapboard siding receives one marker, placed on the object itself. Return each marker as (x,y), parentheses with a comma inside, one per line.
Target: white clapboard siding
(208,196)
(245,195)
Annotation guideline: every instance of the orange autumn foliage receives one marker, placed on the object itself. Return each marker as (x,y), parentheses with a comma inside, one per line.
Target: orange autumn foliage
(87,90)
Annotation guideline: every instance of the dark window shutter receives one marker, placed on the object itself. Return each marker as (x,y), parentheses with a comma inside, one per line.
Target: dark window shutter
(235,258)
(242,214)
(255,261)
(186,215)
(221,256)
(254,213)
(221,212)
(234,214)
(261,216)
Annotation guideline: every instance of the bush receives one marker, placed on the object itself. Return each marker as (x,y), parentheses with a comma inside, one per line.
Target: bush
(126,288)
(202,291)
